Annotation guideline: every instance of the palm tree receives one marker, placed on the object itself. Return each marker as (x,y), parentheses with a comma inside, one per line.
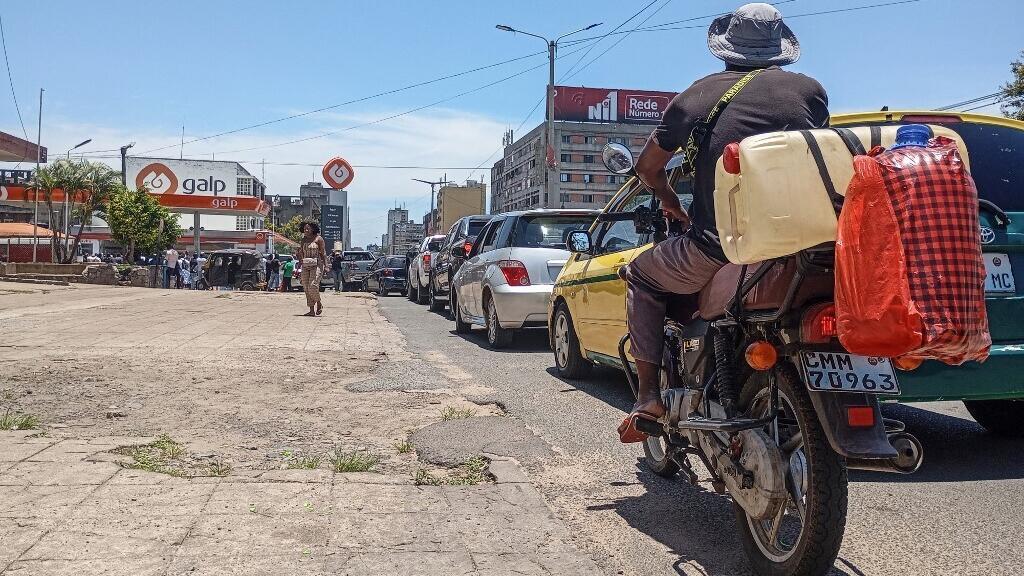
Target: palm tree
(87,187)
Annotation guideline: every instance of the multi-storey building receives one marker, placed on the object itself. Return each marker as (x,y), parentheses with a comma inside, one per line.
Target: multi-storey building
(585,121)
(454,202)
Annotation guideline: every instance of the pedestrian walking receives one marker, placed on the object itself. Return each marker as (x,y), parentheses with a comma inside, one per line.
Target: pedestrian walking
(336,265)
(171,268)
(273,274)
(286,275)
(314,265)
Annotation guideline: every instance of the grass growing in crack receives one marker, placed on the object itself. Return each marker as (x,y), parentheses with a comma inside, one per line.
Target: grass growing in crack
(16,421)
(453,413)
(352,461)
(404,447)
(304,462)
(469,473)
(220,468)
(166,456)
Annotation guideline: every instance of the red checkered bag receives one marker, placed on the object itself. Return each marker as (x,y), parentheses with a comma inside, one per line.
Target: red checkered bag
(910,279)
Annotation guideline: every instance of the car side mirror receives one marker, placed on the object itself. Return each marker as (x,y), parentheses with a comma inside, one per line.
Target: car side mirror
(579,241)
(459,250)
(617,158)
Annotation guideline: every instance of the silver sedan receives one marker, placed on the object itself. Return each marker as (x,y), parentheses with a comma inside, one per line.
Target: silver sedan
(505,283)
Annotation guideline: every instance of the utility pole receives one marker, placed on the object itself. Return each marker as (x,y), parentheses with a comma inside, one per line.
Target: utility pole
(124,163)
(35,195)
(551,161)
(433,191)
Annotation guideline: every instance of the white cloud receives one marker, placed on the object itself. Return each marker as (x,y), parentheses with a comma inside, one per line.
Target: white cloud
(436,137)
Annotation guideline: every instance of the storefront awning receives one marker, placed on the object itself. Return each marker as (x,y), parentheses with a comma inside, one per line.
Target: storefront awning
(226,205)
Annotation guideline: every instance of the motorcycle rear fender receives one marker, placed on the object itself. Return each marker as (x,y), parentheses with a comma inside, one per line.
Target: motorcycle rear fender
(868,443)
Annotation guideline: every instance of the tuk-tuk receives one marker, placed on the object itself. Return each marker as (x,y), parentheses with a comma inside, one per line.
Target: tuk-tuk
(239,269)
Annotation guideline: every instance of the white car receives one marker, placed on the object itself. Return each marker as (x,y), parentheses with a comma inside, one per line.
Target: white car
(419,268)
(505,283)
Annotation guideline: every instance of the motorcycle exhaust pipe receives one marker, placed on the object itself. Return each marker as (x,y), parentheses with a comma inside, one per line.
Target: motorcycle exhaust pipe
(910,455)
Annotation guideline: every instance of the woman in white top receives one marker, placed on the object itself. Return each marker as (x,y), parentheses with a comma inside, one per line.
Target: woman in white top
(313,256)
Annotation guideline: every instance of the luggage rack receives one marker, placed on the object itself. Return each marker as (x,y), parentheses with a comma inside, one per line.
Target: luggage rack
(816,260)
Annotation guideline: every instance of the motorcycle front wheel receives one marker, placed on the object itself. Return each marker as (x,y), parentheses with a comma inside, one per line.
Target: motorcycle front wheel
(804,537)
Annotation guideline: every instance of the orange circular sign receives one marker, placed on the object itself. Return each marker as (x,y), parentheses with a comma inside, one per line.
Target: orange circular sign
(338,173)
(157,178)
(261,236)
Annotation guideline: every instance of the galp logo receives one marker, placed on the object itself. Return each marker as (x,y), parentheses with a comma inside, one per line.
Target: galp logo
(338,173)
(157,178)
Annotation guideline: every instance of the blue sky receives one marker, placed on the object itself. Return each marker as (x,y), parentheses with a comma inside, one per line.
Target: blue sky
(118,71)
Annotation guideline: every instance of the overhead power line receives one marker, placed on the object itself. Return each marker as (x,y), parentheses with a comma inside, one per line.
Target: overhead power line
(10,78)
(346,103)
(997,95)
(602,37)
(398,115)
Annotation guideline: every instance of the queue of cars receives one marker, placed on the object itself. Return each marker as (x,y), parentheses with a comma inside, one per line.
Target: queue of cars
(497,272)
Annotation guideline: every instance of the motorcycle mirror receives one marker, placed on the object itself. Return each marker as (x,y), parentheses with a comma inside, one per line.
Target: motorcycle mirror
(617,158)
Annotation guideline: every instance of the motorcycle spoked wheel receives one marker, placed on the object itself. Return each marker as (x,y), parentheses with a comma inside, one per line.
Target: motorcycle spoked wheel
(804,538)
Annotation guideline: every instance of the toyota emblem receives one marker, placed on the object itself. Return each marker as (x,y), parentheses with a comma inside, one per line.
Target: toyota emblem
(988,235)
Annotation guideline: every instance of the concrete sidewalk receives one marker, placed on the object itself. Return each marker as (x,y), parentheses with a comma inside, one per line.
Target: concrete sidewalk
(240,380)
(66,508)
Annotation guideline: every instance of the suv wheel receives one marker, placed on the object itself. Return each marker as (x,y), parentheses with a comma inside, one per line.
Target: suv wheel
(435,304)
(497,336)
(412,291)
(569,360)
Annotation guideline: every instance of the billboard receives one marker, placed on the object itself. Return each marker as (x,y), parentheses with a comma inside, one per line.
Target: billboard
(332,224)
(190,177)
(610,105)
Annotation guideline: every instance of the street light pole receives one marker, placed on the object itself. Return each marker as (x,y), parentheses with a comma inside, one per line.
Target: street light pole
(433,191)
(35,195)
(77,146)
(124,163)
(551,164)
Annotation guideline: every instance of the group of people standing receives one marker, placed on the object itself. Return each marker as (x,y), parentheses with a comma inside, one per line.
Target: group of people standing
(182,270)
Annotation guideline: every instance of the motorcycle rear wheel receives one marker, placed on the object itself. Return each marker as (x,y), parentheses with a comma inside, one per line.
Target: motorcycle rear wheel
(804,539)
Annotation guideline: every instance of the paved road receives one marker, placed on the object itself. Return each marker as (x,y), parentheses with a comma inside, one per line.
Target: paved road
(960,514)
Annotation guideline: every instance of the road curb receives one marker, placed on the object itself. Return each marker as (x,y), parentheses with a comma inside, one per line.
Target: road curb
(505,470)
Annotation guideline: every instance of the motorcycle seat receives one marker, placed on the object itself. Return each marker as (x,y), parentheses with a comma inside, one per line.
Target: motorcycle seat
(768,294)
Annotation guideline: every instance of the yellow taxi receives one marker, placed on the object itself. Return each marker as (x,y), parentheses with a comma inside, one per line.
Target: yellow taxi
(587,312)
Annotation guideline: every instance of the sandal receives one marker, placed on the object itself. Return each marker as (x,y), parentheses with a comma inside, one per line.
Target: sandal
(628,432)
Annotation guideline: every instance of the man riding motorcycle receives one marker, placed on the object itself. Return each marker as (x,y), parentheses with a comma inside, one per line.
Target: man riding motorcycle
(752,96)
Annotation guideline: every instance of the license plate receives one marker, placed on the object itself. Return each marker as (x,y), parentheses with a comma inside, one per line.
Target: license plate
(840,372)
(998,274)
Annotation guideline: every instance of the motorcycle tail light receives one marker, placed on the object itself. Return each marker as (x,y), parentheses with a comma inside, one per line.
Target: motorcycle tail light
(907,363)
(819,324)
(515,272)
(761,355)
(860,416)
(731,158)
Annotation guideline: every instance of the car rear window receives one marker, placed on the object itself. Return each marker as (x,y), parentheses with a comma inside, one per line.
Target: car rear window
(356,257)
(997,162)
(475,226)
(434,245)
(548,231)
(395,262)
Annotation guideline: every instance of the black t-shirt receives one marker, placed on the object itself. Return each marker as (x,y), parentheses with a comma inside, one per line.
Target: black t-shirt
(335,262)
(775,100)
(275,265)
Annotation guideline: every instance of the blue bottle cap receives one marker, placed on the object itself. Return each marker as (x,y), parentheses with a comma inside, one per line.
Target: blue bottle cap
(912,135)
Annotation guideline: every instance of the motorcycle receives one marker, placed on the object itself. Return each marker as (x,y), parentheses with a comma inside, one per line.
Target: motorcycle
(759,390)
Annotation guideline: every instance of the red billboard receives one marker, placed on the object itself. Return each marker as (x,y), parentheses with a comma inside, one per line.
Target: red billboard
(610,105)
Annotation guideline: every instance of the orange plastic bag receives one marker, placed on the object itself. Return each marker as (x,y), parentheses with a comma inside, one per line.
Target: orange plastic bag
(909,272)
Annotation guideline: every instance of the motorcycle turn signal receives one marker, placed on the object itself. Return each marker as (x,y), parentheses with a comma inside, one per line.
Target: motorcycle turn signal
(761,355)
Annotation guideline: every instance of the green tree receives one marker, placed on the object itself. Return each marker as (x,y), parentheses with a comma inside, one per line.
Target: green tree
(1013,91)
(135,222)
(291,229)
(88,186)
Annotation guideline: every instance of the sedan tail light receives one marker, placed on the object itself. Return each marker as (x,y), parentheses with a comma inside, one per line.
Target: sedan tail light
(819,324)
(468,247)
(426,261)
(515,272)
(387,272)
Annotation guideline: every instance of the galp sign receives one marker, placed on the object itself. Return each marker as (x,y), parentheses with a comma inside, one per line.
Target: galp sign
(338,173)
